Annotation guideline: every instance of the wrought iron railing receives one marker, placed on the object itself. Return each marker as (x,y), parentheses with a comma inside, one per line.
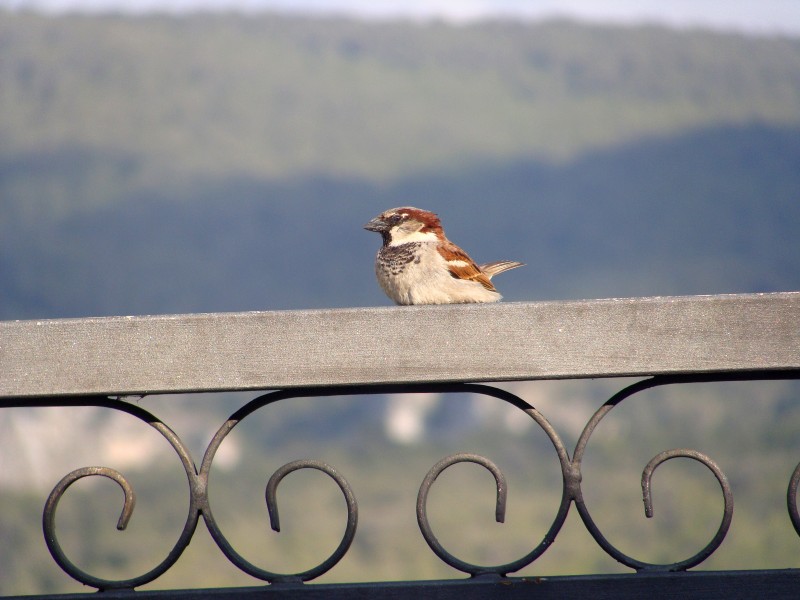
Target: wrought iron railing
(734,338)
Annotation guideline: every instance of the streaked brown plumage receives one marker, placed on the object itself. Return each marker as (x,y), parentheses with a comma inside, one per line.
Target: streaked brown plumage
(417,264)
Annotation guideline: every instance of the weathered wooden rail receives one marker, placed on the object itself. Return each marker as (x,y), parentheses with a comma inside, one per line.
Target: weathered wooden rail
(511,341)
(322,352)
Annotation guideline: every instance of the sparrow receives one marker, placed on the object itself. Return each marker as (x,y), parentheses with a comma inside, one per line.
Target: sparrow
(417,264)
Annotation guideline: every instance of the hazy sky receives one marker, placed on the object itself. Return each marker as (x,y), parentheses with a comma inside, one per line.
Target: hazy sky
(757,16)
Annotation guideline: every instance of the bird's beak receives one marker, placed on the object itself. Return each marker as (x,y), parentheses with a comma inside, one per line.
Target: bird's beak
(376,224)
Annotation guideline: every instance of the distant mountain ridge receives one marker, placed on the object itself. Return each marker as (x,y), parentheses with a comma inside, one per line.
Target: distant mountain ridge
(277,96)
(714,211)
(166,164)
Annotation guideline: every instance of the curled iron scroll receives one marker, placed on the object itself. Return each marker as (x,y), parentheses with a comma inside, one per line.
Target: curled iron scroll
(568,475)
(266,399)
(583,511)
(49,523)
(350,500)
(727,494)
(49,512)
(791,499)
(570,470)
(271,493)
(422,510)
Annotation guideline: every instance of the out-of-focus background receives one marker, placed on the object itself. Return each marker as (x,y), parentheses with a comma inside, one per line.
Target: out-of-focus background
(196,156)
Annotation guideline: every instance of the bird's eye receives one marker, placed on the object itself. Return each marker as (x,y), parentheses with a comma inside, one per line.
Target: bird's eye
(395,219)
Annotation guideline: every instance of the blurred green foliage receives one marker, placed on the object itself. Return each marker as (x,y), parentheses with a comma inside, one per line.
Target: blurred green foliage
(716,419)
(201,163)
(285,97)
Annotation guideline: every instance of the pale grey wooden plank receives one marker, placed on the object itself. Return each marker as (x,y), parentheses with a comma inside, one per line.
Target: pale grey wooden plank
(506,341)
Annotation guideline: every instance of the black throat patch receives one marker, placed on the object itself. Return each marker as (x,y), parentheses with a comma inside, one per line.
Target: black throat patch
(395,258)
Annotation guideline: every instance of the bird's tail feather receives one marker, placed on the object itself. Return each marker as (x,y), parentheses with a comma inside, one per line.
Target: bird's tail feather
(493,268)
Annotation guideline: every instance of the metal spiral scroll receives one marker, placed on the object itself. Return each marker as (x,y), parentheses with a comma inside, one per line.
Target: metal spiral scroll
(647,474)
(49,513)
(270,494)
(572,491)
(502,490)
(198,499)
(272,397)
(198,480)
(791,499)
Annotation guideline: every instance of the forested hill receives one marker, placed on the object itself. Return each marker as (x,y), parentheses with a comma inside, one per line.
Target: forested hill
(158,164)
(278,96)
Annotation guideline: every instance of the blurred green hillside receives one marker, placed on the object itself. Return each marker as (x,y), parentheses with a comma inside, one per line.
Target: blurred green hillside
(215,163)
(276,96)
(199,163)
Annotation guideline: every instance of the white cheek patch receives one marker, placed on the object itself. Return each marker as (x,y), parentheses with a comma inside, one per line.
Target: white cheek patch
(400,237)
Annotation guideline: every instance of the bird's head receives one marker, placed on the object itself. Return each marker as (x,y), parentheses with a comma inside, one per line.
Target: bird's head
(406,224)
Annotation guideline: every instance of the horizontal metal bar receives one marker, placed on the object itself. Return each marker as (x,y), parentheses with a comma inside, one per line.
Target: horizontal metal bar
(705,585)
(497,342)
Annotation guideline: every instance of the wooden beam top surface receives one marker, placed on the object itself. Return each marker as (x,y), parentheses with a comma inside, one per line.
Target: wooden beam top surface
(497,342)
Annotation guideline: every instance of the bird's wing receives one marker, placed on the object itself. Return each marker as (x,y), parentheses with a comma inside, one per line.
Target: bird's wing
(461,266)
